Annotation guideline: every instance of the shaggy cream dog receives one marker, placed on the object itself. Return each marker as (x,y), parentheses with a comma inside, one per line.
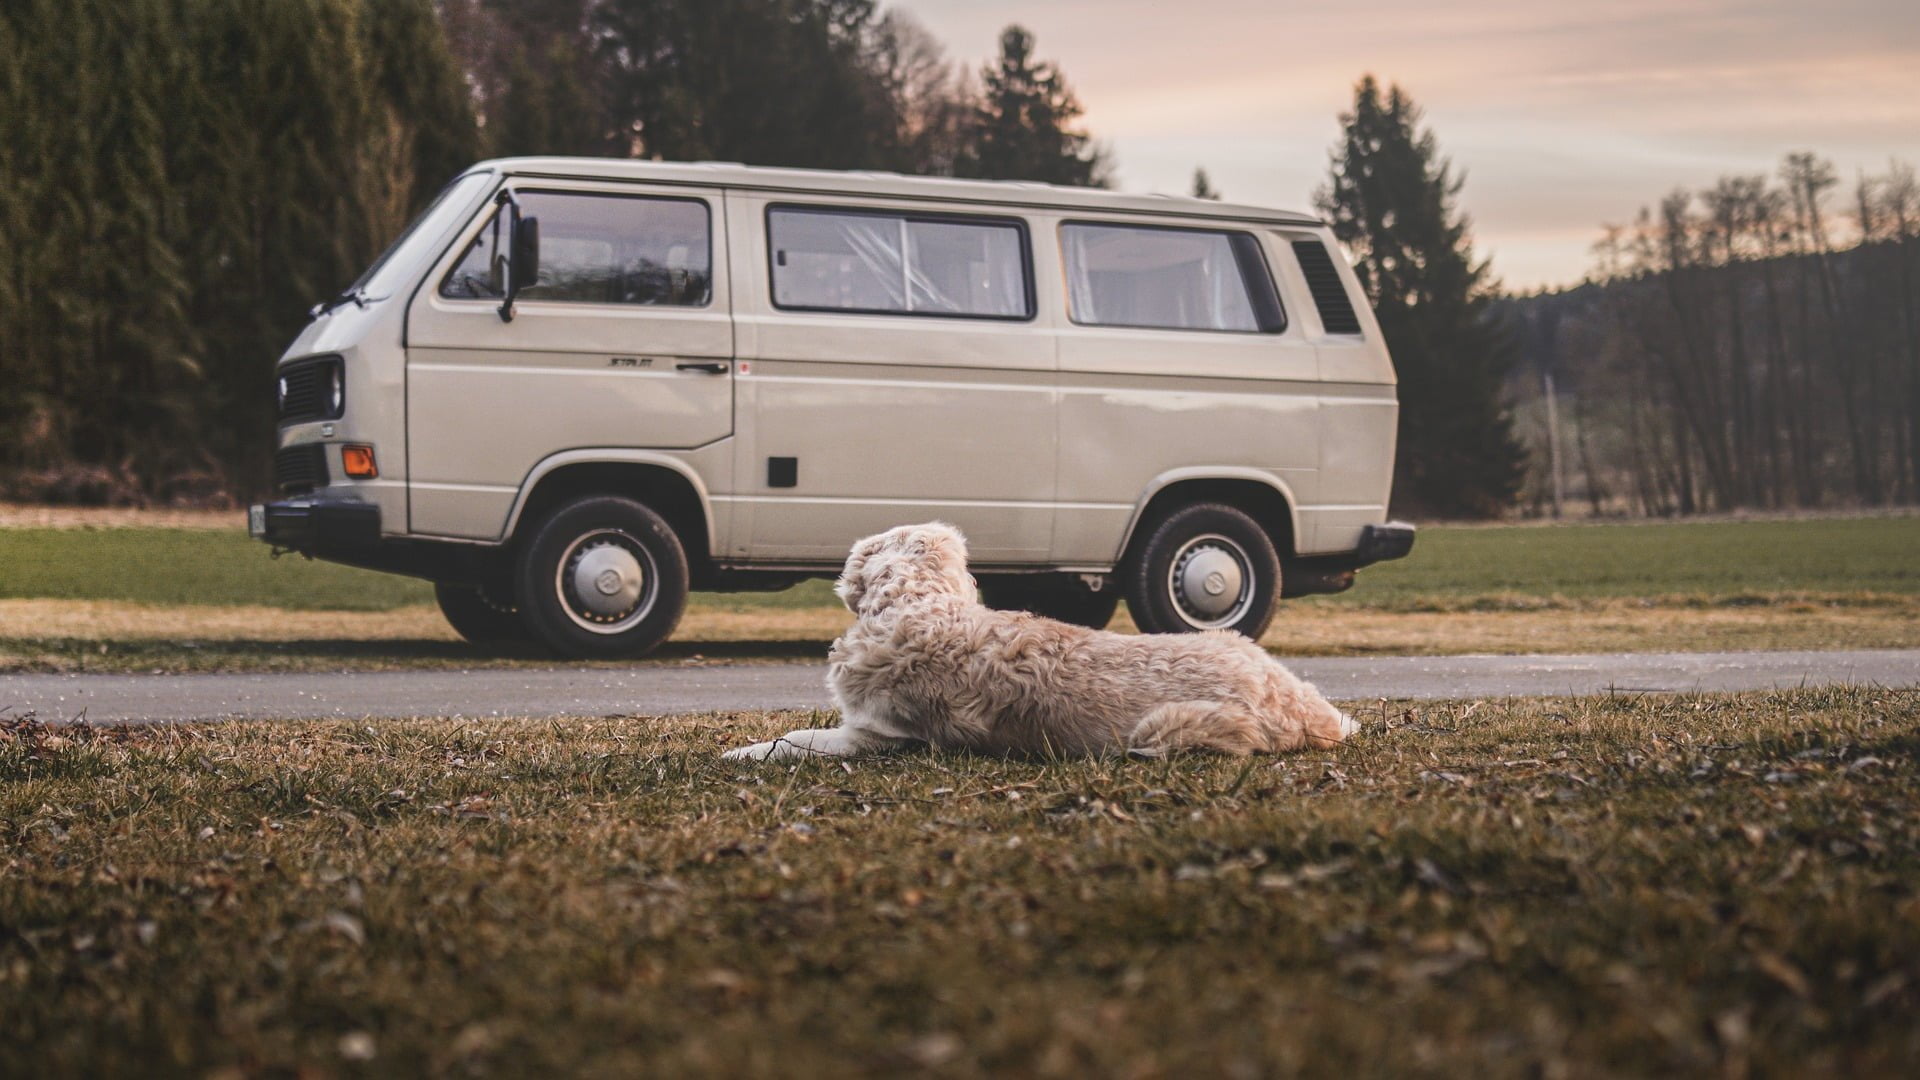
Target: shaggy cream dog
(925,662)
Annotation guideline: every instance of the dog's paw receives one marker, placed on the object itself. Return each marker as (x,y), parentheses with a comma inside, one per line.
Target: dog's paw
(1349,727)
(759,751)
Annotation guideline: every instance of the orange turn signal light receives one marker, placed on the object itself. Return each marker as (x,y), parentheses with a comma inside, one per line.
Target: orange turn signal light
(358,461)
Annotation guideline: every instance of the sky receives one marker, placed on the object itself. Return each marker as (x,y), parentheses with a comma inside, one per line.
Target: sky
(1563,116)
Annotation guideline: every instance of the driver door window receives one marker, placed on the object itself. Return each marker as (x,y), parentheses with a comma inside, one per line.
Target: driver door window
(598,249)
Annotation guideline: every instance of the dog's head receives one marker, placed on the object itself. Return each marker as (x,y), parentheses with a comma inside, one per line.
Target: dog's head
(905,563)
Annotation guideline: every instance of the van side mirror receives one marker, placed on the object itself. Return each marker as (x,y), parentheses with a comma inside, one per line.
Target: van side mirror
(526,253)
(523,247)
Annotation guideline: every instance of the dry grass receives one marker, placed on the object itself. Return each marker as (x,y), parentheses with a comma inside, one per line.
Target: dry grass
(1608,886)
(99,636)
(33,516)
(142,598)
(97,620)
(1661,624)
(74,635)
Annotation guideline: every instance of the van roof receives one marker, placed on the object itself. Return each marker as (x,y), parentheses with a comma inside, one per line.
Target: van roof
(938,188)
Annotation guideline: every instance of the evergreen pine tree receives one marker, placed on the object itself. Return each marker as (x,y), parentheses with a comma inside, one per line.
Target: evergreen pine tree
(421,97)
(36,109)
(140,335)
(548,105)
(180,180)
(15,120)
(768,82)
(1022,128)
(1390,198)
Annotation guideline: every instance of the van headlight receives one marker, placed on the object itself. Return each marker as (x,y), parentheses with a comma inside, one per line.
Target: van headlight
(311,389)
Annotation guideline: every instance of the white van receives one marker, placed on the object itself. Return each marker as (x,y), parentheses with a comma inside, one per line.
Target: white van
(576,389)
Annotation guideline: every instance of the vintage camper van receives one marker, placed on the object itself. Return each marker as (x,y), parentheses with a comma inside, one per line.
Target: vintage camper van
(576,389)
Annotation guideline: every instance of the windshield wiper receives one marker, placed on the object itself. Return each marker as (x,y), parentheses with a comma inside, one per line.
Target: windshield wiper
(356,297)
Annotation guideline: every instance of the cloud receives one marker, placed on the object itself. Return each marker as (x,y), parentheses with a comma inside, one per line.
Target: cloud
(1563,116)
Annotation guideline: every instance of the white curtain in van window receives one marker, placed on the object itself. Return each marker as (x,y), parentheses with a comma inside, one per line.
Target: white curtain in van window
(962,268)
(865,262)
(846,262)
(1175,279)
(881,246)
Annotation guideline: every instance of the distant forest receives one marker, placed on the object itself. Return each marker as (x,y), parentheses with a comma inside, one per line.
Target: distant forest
(181,180)
(1728,354)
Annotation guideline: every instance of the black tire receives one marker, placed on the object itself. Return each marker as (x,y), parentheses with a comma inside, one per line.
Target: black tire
(1203,567)
(602,577)
(1056,596)
(479,616)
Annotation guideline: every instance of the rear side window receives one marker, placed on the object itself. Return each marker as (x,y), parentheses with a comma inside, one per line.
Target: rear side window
(898,264)
(1168,279)
(598,249)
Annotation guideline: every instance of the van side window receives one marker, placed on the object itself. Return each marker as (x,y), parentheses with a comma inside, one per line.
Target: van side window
(879,263)
(598,249)
(1169,279)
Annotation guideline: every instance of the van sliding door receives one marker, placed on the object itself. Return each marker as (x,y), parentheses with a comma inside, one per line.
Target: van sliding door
(895,368)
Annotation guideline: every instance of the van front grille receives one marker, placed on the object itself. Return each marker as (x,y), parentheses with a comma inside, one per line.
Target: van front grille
(305,391)
(1323,281)
(300,469)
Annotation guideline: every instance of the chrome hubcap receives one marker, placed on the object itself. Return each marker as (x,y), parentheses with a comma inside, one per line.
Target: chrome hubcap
(1211,584)
(606,582)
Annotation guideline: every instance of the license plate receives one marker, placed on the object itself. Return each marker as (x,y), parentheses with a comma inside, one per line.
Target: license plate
(256,521)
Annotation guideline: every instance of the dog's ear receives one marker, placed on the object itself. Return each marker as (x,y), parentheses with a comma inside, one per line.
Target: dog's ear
(849,588)
(946,552)
(853,586)
(952,542)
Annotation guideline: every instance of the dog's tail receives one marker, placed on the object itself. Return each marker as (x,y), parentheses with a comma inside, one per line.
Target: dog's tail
(1198,725)
(1229,729)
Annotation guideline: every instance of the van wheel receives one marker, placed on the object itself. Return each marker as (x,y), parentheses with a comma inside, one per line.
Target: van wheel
(479,616)
(1056,596)
(1204,567)
(602,577)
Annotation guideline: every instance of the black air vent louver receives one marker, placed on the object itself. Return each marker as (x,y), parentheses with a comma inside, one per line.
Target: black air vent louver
(300,469)
(1329,294)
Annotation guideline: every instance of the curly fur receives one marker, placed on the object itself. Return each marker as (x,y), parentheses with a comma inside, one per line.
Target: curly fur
(925,662)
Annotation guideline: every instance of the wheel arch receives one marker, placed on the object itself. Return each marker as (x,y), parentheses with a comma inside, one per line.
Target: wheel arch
(664,483)
(1260,495)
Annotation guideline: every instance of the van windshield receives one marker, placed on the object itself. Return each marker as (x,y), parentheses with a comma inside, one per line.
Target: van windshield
(452,202)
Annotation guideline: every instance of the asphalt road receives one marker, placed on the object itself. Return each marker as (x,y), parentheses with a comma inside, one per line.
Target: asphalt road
(662,690)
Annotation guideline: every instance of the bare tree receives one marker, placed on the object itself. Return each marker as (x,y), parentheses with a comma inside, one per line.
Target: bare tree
(933,94)
(1727,352)
(1900,212)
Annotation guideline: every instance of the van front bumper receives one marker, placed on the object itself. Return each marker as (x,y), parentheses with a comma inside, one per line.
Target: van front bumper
(324,528)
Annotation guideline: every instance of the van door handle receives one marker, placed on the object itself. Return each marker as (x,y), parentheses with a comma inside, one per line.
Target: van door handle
(711,367)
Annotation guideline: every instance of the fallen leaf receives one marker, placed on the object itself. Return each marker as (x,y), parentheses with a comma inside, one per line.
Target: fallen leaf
(357,1046)
(345,925)
(933,1050)
(1782,971)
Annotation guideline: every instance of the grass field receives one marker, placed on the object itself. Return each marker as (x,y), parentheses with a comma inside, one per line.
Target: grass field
(136,599)
(1614,886)
(1703,559)
(1709,559)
